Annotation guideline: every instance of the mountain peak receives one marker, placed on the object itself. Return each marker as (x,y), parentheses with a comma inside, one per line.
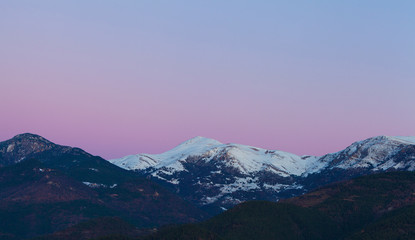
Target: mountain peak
(22,146)
(383,141)
(375,153)
(28,145)
(200,141)
(402,139)
(30,136)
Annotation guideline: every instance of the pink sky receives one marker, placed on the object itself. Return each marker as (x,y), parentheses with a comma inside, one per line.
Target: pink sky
(129,78)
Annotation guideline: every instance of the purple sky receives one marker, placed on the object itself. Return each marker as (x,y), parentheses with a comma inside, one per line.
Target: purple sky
(125,77)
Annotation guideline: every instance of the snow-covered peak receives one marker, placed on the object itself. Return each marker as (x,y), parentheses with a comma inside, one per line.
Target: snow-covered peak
(395,139)
(403,139)
(376,142)
(380,143)
(200,141)
(371,152)
(171,158)
(245,159)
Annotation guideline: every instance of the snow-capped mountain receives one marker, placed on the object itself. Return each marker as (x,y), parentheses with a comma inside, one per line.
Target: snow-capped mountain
(211,173)
(378,153)
(245,159)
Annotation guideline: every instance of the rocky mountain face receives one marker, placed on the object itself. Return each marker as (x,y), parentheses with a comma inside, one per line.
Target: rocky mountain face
(218,176)
(45,187)
(25,146)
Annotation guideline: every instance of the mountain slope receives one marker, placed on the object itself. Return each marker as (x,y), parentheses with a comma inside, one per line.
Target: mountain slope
(105,227)
(55,187)
(399,224)
(215,175)
(353,209)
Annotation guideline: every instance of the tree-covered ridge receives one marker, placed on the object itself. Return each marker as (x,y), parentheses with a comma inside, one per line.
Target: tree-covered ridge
(380,206)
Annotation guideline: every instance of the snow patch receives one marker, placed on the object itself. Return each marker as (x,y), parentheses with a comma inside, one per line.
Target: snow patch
(241,184)
(94,185)
(174,181)
(10,148)
(99,185)
(275,187)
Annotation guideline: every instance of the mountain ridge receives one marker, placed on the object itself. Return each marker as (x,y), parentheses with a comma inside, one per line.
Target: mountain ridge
(203,141)
(207,172)
(206,146)
(46,187)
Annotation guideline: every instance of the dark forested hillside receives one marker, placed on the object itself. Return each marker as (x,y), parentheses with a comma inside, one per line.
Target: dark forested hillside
(52,187)
(378,206)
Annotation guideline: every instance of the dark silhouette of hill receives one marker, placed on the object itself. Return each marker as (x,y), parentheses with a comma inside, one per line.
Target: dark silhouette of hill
(52,187)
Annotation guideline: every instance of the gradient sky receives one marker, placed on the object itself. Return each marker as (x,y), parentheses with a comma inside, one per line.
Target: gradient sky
(125,77)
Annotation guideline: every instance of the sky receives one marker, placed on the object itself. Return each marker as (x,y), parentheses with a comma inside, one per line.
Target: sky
(125,77)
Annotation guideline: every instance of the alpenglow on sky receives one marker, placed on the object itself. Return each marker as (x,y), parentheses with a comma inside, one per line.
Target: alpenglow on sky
(126,77)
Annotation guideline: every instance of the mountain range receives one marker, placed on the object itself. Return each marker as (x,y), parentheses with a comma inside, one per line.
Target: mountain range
(67,193)
(217,176)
